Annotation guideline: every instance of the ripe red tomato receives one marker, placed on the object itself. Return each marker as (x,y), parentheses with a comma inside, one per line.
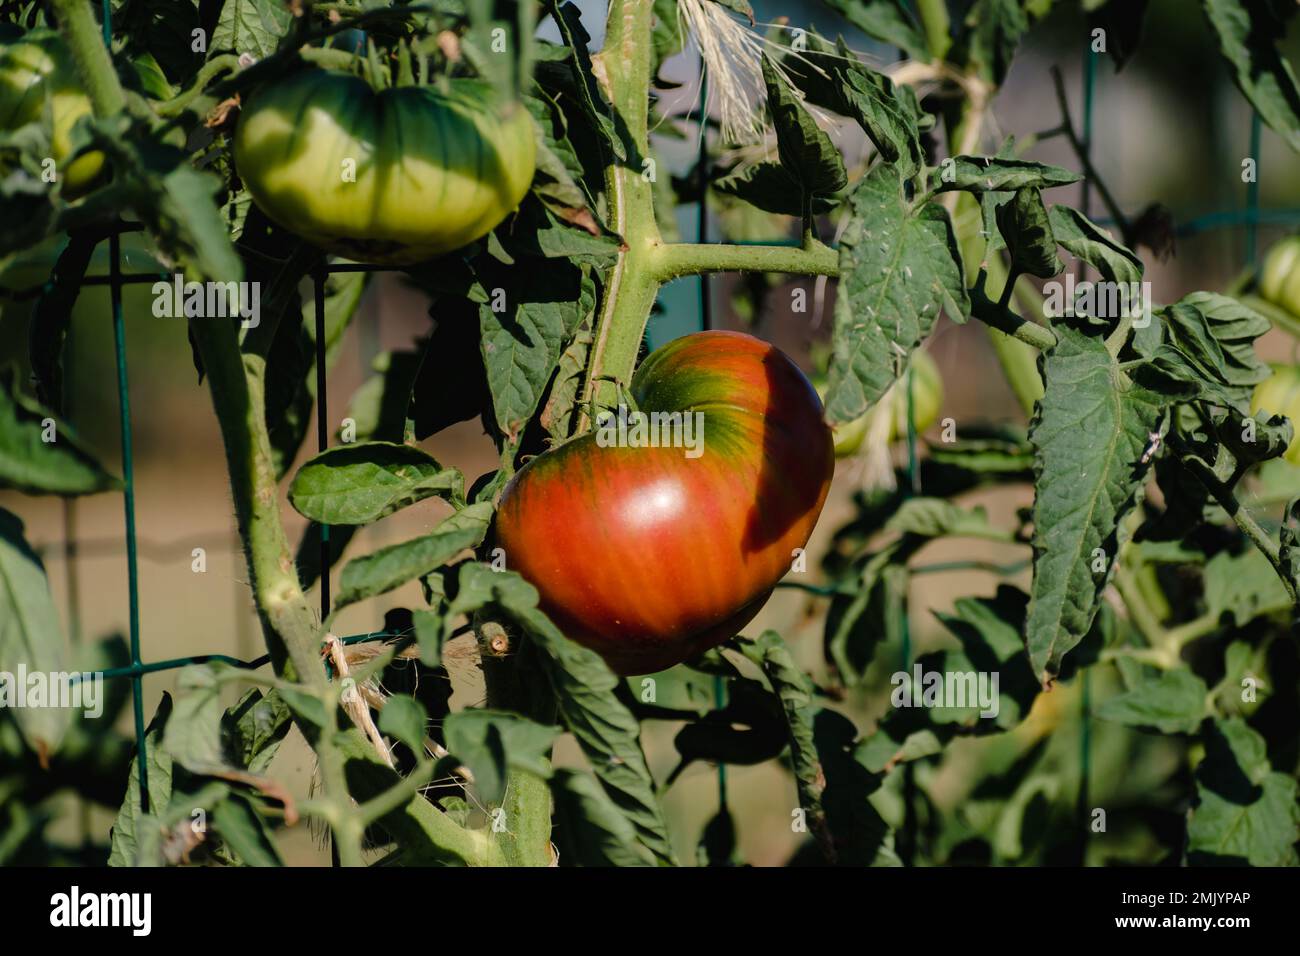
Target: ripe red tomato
(649,556)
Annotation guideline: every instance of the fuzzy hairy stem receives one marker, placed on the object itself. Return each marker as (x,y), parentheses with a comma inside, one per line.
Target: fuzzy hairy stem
(93,63)
(1245,521)
(622,68)
(684,259)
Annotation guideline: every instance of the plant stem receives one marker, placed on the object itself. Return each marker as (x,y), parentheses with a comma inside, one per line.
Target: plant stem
(1245,521)
(623,69)
(93,63)
(1184,634)
(1019,362)
(226,63)
(683,259)
(1139,612)
(1089,170)
(1002,319)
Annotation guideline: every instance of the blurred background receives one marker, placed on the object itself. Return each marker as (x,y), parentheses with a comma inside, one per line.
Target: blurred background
(1171,128)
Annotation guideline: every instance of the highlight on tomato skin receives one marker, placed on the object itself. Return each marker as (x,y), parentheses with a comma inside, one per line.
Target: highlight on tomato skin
(651,557)
(393,177)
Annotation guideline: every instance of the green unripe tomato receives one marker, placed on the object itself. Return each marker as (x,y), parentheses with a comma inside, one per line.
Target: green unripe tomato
(848,436)
(32,70)
(1279,394)
(391,177)
(1279,280)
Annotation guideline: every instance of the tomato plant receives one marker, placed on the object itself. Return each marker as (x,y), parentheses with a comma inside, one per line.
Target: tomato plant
(565,550)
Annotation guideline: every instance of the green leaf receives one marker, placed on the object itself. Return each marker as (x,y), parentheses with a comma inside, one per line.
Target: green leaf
(291,361)
(532,311)
(558,415)
(989,630)
(452,383)
(1289,548)
(193,735)
(490,743)
(164,28)
(857,625)
(1208,352)
(741,7)
(255,728)
(588,829)
(31,641)
(981,174)
(1234,327)
(1173,703)
(888,21)
(938,517)
(796,694)
(1249,32)
(396,564)
(1024,225)
(1243,586)
(832,77)
(276,259)
(1090,431)
(770,187)
(379,406)
(360,483)
(667,33)
(584,688)
(558,170)
(430,632)
(251,26)
(1122,21)
(128,830)
(245,832)
(40,454)
(52,316)
(981,456)
(1246,812)
(899,267)
(862,838)
(994,31)
(405,719)
(1094,245)
(173,199)
(888,114)
(592,101)
(749,730)
(806,152)
(537,231)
